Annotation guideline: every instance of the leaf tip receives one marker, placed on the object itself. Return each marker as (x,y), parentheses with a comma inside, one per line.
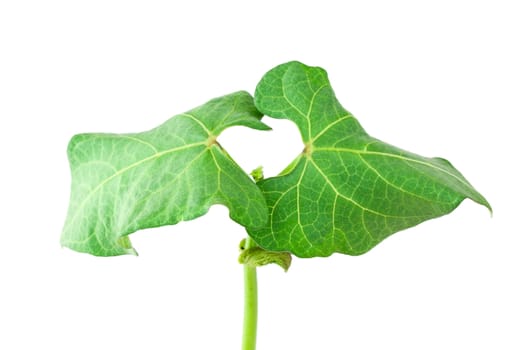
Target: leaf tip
(484,202)
(487,205)
(266,127)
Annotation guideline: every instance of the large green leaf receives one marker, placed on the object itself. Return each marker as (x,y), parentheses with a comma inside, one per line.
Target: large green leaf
(347,191)
(124,183)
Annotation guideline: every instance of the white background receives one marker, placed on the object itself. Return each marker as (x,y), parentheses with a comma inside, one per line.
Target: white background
(444,79)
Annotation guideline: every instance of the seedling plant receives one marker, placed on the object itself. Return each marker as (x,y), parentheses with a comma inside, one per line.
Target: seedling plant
(344,193)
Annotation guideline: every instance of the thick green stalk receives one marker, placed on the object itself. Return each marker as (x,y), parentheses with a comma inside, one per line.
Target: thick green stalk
(249,336)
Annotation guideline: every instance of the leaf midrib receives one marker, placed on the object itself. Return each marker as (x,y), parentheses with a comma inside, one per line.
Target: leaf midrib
(383,154)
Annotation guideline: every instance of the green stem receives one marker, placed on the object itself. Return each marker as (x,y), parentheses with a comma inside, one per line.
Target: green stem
(249,336)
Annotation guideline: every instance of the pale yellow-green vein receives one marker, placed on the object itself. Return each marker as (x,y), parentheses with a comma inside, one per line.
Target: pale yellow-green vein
(390,155)
(127,168)
(350,199)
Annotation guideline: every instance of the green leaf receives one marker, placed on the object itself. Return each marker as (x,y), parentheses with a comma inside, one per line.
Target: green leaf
(347,191)
(122,183)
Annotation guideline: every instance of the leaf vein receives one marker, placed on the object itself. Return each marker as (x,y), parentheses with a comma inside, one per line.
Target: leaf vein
(349,198)
(196,120)
(310,108)
(298,204)
(380,176)
(383,154)
(331,125)
(125,169)
(129,137)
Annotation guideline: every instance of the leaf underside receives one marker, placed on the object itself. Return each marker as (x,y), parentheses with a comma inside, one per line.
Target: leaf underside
(122,183)
(346,191)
